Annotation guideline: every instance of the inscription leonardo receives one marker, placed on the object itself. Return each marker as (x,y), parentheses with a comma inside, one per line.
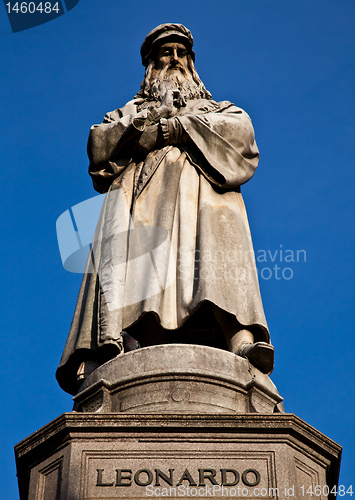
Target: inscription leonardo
(145,477)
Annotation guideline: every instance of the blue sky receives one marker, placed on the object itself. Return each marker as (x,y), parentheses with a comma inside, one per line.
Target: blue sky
(290,65)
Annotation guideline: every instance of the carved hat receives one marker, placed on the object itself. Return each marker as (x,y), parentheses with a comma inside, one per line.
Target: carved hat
(163,33)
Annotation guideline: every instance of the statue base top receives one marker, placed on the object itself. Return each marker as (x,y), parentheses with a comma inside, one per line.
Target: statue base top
(178,378)
(87,456)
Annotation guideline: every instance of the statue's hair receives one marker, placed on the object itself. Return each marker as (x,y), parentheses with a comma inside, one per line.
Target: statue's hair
(145,90)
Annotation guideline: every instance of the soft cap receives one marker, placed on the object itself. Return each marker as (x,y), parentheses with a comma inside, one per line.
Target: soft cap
(162,31)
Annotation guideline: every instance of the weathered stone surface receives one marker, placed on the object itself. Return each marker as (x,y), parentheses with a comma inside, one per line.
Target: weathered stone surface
(178,378)
(173,235)
(107,456)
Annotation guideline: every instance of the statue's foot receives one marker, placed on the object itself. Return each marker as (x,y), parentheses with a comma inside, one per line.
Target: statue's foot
(129,343)
(85,369)
(260,355)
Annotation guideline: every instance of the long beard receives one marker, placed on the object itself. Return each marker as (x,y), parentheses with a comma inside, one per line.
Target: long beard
(162,81)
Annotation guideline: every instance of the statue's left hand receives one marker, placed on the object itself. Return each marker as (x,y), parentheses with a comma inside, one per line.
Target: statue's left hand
(150,138)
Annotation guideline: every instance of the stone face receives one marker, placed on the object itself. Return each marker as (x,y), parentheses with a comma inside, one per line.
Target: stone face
(178,378)
(107,456)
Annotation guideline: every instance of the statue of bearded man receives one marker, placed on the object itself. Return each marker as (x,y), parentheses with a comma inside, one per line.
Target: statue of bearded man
(172,257)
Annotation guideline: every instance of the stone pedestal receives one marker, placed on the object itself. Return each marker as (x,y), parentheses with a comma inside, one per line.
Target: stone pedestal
(178,378)
(177,421)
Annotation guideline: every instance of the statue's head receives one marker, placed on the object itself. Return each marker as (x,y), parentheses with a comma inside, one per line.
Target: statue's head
(162,34)
(169,60)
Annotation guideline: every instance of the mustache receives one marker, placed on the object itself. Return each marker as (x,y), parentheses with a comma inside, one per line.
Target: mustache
(163,73)
(177,66)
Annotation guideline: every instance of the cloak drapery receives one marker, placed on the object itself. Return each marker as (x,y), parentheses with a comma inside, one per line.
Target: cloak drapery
(173,231)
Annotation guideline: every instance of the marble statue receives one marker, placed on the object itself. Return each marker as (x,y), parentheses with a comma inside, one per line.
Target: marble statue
(172,258)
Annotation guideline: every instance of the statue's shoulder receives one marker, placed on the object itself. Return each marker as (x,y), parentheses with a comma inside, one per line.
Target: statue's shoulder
(199,106)
(229,107)
(130,108)
(223,105)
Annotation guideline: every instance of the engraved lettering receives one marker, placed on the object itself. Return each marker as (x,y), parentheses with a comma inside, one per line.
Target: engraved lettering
(145,477)
(186,477)
(99,481)
(137,479)
(120,477)
(160,474)
(206,474)
(249,482)
(224,478)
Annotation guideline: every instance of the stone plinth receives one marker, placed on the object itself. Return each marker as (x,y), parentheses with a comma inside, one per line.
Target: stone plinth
(176,421)
(123,456)
(178,378)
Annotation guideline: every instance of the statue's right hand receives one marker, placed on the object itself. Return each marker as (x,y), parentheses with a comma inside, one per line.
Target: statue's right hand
(168,99)
(170,104)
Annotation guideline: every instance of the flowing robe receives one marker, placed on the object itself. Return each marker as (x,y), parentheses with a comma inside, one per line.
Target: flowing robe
(173,231)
